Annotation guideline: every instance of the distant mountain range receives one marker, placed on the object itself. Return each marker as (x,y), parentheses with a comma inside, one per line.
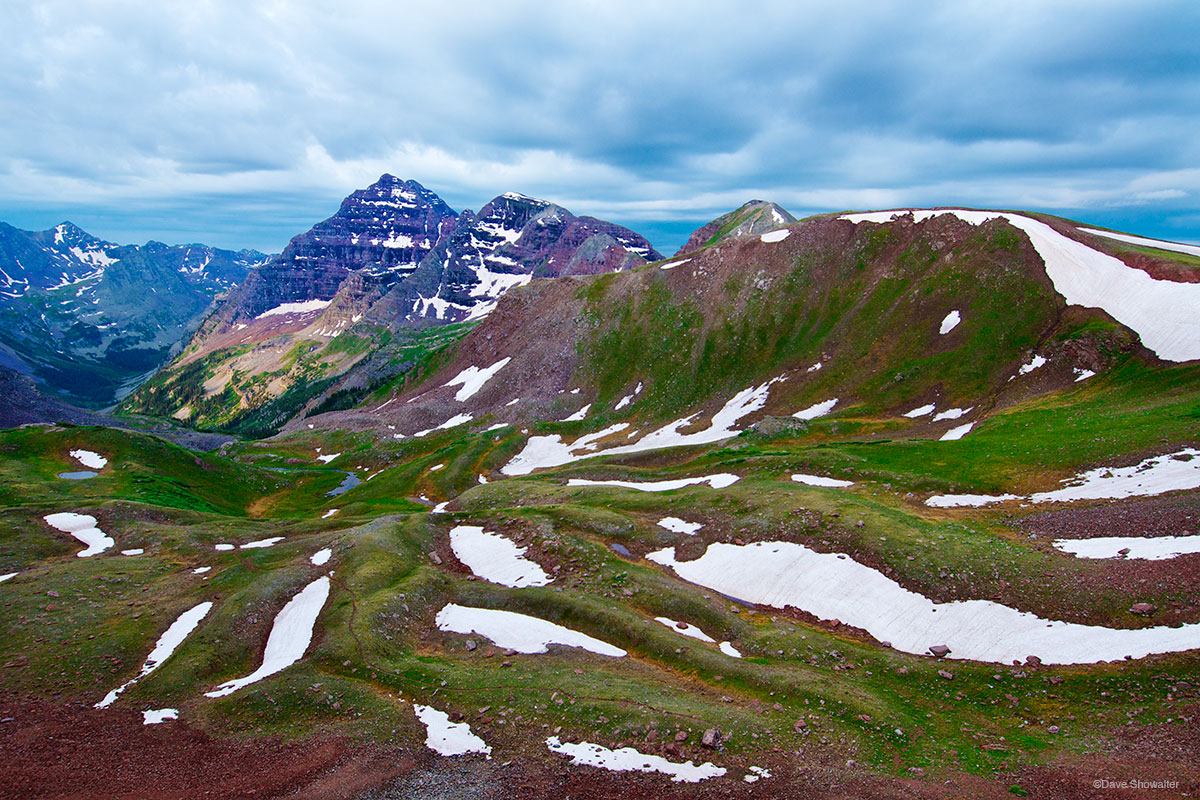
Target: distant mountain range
(90,319)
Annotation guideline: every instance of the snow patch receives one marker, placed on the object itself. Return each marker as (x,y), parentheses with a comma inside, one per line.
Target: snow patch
(817,480)
(816,410)
(834,586)
(952,413)
(472,379)
(325,459)
(82,527)
(1149,548)
(920,411)
(89,459)
(136,551)
(1083,374)
(153,716)
(321,557)
(290,636)
(448,738)
(1158,244)
(166,645)
(519,632)
(329,513)
(677,525)
(453,422)
(578,415)
(495,558)
(306,307)
(775,236)
(261,543)
(718,481)
(1034,363)
(950,322)
(627,759)
(954,434)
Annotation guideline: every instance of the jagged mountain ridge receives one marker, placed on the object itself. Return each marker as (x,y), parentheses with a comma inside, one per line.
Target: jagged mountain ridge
(394,259)
(848,312)
(87,318)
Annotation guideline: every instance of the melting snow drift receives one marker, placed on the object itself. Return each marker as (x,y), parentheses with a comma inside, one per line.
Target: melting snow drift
(833,586)
(677,525)
(519,632)
(163,648)
(627,759)
(290,636)
(82,527)
(472,379)
(89,459)
(448,738)
(817,480)
(153,716)
(1149,548)
(494,558)
(718,481)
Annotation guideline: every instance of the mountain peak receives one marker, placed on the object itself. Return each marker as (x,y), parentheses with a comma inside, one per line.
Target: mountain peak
(750,219)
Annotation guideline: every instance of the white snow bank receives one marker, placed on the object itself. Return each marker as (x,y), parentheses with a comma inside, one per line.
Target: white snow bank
(325,459)
(549,451)
(1148,548)
(578,415)
(1034,363)
(1154,475)
(495,558)
(321,557)
(448,738)
(775,236)
(472,379)
(137,551)
(89,459)
(950,322)
(729,650)
(816,410)
(519,632)
(817,480)
(677,525)
(9,576)
(153,716)
(171,638)
(1165,314)
(674,264)
(1083,374)
(201,570)
(627,759)
(718,481)
(223,547)
(920,411)
(685,629)
(1159,244)
(329,513)
(290,636)
(967,500)
(261,543)
(453,422)
(306,307)
(834,586)
(756,774)
(82,527)
(954,434)
(952,413)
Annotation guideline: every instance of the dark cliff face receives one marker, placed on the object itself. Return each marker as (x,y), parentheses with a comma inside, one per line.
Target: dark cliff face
(512,239)
(379,234)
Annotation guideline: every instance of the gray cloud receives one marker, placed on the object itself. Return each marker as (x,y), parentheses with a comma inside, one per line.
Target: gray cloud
(242,123)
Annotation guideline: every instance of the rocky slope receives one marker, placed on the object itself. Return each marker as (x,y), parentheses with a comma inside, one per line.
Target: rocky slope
(752,219)
(358,289)
(89,318)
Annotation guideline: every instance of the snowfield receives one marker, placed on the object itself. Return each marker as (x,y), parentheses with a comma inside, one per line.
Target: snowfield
(82,527)
(306,307)
(816,410)
(834,586)
(290,636)
(519,632)
(163,648)
(494,558)
(817,480)
(1165,314)
(627,759)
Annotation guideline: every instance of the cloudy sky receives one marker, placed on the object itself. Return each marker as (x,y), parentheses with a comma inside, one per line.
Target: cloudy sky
(241,123)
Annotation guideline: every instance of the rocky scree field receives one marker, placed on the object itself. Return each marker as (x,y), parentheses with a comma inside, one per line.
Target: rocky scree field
(787,515)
